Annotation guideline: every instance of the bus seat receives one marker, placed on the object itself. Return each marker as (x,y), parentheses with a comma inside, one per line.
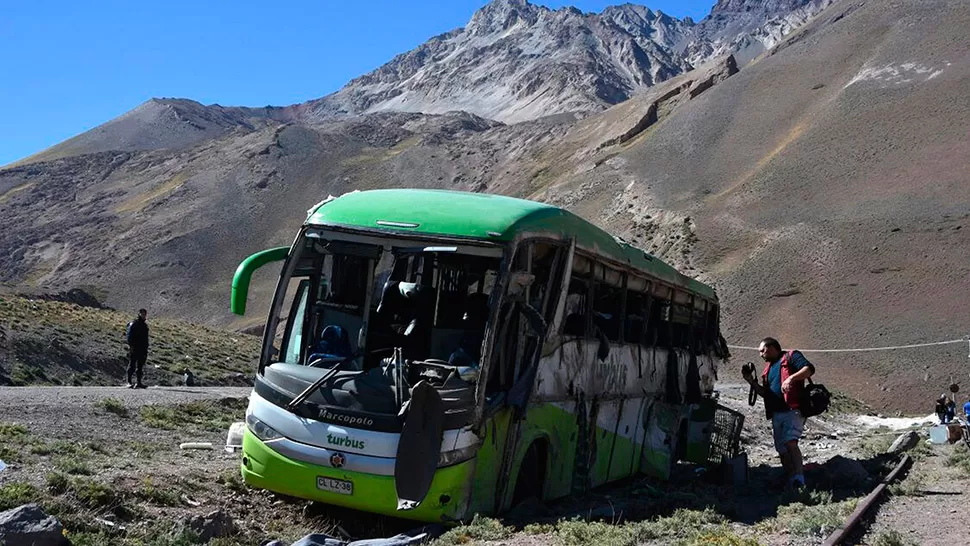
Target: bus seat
(333,347)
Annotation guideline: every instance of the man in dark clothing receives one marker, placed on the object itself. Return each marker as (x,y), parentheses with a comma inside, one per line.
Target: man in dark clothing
(137,338)
(781,385)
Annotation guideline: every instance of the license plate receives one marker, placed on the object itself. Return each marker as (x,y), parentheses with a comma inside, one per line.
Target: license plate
(343,487)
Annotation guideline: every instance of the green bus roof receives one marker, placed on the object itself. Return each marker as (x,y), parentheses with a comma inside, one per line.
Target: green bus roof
(484,217)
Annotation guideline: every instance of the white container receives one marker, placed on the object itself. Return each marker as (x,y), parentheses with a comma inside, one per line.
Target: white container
(939,434)
(234,439)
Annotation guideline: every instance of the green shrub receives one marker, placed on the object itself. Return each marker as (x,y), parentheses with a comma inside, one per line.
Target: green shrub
(162,497)
(113,405)
(892,537)
(480,528)
(95,494)
(15,494)
(58,483)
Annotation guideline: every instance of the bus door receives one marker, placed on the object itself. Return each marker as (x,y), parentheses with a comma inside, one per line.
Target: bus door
(532,298)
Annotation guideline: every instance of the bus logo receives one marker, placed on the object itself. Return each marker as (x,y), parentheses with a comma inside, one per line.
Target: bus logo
(337,460)
(343,441)
(334,417)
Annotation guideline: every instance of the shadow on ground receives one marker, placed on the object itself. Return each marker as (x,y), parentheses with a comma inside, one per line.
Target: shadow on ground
(697,488)
(643,498)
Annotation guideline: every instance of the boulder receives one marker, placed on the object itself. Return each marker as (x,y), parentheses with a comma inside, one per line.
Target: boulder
(216,524)
(904,442)
(29,525)
(845,472)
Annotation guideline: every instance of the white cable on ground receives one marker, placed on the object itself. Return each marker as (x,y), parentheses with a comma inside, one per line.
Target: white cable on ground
(866,349)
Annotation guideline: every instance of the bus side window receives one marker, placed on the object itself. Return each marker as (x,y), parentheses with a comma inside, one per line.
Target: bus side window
(680,325)
(658,324)
(635,318)
(699,327)
(711,329)
(289,330)
(608,302)
(574,323)
(548,265)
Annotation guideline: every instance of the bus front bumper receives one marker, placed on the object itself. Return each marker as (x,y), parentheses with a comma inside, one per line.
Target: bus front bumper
(263,467)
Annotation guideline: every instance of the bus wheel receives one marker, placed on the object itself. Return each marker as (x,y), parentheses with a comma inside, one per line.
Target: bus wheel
(529,482)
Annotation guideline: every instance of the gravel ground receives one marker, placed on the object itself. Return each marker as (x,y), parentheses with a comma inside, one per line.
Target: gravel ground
(930,506)
(25,398)
(132,454)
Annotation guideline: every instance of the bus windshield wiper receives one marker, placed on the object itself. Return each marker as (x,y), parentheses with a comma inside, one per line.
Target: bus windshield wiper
(300,398)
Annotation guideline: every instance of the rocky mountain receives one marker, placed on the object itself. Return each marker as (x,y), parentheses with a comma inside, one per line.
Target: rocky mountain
(822,189)
(516,61)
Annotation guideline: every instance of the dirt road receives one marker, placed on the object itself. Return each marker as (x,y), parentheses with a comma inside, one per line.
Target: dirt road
(19,397)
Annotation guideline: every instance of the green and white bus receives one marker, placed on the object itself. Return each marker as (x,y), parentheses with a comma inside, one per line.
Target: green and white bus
(432,355)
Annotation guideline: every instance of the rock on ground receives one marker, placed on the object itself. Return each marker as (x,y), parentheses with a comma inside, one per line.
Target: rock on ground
(29,525)
(216,524)
(904,442)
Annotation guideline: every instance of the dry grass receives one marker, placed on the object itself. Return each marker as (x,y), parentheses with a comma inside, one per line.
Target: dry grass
(57,343)
(683,527)
(214,415)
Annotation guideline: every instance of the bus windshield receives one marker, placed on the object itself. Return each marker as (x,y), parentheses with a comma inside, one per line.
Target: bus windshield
(353,303)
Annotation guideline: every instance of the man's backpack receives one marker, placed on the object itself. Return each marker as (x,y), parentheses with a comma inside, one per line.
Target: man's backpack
(814,400)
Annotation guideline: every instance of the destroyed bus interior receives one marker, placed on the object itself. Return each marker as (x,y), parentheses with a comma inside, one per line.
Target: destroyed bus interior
(361,324)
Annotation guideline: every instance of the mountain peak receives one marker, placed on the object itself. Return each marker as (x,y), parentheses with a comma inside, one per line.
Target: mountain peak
(757,6)
(517,61)
(500,15)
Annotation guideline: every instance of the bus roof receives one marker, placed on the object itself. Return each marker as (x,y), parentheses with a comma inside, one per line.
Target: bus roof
(485,217)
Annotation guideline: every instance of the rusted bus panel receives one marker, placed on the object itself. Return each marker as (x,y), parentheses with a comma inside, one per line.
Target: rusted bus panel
(622,407)
(628,370)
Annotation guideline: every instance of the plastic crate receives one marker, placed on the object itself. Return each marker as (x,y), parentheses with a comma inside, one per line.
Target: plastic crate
(725,435)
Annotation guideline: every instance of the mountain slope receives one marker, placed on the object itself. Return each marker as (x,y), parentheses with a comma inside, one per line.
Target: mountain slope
(826,187)
(165,124)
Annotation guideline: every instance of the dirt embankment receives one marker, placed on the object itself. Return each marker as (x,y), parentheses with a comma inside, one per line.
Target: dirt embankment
(70,339)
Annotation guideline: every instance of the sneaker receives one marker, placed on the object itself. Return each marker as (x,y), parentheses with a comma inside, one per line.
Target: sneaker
(131,385)
(141,386)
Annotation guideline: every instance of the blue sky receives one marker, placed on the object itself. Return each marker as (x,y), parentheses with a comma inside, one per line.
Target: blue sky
(70,65)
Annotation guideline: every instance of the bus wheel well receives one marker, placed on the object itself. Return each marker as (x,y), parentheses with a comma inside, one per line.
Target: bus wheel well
(532,472)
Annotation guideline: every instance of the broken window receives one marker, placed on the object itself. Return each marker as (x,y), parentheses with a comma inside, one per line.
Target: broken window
(575,315)
(658,325)
(637,310)
(699,341)
(548,266)
(680,320)
(435,306)
(608,301)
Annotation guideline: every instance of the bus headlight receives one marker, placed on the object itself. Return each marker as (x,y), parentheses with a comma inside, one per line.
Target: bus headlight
(262,431)
(455,456)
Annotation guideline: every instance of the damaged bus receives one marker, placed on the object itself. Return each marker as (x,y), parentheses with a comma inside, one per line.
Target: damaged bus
(432,355)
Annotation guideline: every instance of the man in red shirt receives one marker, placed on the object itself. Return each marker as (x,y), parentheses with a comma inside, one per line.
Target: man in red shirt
(782,383)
